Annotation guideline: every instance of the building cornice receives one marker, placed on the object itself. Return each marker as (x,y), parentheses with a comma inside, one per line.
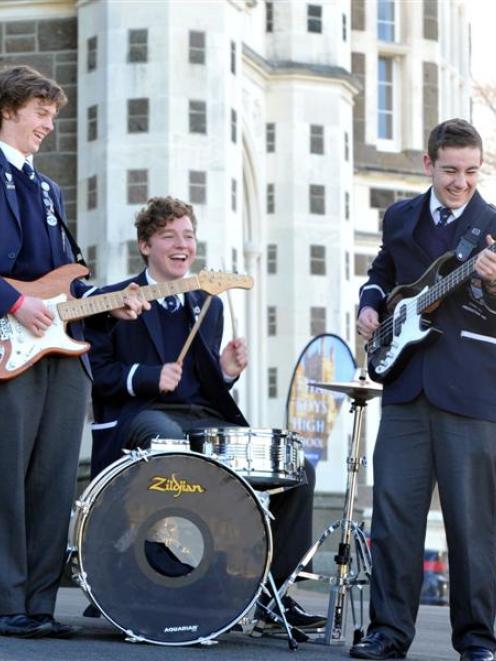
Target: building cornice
(37,9)
(291,69)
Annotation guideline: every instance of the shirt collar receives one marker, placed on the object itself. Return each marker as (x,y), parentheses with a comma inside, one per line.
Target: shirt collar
(14,156)
(434,204)
(152,281)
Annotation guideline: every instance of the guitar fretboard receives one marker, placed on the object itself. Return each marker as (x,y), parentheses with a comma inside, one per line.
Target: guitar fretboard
(447,284)
(85,307)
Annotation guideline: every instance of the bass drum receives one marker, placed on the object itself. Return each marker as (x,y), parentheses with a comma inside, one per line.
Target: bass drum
(172,548)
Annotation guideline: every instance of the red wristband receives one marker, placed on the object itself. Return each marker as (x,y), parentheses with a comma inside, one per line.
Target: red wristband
(17,304)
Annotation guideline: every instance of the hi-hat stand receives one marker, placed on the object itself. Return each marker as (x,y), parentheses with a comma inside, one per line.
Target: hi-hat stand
(346,578)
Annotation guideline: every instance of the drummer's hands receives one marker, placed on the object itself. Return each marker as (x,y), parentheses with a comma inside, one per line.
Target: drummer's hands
(170,376)
(367,322)
(234,358)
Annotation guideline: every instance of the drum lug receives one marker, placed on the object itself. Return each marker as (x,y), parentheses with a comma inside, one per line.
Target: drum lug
(131,637)
(81,579)
(138,454)
(83,506)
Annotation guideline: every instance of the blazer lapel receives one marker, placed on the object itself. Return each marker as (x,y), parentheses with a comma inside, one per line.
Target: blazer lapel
(412,217)
(7,181)
(470,217)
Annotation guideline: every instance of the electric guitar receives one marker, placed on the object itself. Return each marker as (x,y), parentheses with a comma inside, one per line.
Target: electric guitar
(395,339)
(19,348)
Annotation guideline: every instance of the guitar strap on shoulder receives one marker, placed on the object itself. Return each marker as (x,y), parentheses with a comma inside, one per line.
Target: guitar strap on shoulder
(471,238)
(76,250)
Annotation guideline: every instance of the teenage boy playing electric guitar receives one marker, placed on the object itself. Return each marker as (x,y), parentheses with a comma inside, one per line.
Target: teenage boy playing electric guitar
(43,408)
(438,418)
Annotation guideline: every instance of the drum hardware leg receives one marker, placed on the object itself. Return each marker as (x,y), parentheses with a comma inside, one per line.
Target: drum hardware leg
(345,578)
(294,634)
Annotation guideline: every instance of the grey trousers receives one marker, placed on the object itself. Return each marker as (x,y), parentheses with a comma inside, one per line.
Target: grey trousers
(42,413)
(417,445)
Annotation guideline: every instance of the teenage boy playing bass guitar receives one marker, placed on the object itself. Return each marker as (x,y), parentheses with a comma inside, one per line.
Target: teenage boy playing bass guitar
(438,418)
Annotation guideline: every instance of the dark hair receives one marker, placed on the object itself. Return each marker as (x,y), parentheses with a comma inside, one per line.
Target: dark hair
(19,84)
(160,211)
(452,133)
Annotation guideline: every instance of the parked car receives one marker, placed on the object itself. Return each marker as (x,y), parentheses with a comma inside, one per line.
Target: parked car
(435,588)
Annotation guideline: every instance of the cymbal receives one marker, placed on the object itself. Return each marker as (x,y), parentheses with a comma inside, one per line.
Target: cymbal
(359,389)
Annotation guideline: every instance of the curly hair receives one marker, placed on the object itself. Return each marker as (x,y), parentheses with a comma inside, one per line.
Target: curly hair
(21,83)
(160,211)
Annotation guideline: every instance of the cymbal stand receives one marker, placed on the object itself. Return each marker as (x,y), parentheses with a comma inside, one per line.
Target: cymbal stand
(346,579)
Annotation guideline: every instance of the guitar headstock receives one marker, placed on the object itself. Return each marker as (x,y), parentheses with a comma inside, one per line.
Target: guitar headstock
(215,282)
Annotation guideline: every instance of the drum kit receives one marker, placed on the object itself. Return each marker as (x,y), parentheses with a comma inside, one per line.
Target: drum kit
(173,544)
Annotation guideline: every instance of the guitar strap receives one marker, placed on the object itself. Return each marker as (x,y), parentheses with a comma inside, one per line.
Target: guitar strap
(471,238)
(76,250)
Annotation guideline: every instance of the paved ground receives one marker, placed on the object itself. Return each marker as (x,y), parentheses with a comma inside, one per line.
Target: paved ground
(98,640)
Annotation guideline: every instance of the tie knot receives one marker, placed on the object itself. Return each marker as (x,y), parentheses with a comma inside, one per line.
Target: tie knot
(172,303)
(28,171)
(444,214)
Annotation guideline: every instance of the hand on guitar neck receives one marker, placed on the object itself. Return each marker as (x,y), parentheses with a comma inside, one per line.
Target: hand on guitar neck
(34,315)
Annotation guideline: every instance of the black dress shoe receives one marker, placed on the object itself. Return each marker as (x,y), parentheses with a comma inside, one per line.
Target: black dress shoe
(295,615)
(477,654)
(376,645)
(55,629)
(22,626)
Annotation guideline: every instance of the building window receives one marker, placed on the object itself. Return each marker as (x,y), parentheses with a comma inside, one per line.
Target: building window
(344,27)
(272,258)
(317,199)
(271,199)
(269,17)
(385,99)
(198,117)
(234,194)
(234,260)
(270,137)
(347,266)
(347,205)
(317,321)
(137,186)
(92,115)
(91,53)
(346,146)
(348,326)
(382,198)
(137,46)
(201,257)
(316,139)
(92,193)
(233,57)
(272,382)
(314,18)
(196,47)
(138,111)
(91,261)
(271,320)
(134,258)
(385,20)
(430,20)
(234,125)
(317,260)
(362,264)
(197,187)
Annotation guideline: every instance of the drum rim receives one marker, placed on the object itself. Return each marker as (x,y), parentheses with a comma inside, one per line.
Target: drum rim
(260,431)
(81,515)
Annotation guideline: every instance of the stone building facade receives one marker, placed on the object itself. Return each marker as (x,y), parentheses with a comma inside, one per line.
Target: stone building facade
(290,125)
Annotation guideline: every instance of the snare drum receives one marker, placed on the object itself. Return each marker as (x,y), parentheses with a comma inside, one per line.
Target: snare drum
(267,458)
(173,548)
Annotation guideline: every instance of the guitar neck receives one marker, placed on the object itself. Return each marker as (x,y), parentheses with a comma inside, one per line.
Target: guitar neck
(86,307)
(449,283)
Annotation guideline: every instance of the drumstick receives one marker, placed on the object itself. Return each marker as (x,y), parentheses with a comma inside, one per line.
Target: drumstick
(234,324)
(194,330)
